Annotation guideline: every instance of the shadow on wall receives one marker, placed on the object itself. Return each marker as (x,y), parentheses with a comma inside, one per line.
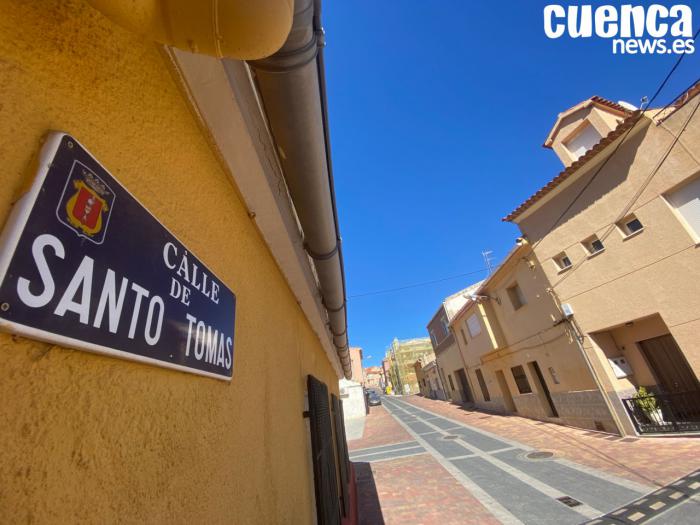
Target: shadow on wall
(369,509)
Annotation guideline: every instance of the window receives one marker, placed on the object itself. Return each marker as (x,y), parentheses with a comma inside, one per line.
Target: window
(482,385)
(325,484)
(593,245)
(515,294)
(562,261)
(686,202)
(464,336)
(473,325)
(445,325)
(433,339)
(521,379)
(452,385)
(341,448)
(583,141)
(630,225)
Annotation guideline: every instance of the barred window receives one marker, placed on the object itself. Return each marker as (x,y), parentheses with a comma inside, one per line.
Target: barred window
(521,379)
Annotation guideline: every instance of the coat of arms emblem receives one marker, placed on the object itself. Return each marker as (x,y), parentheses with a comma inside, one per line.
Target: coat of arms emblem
(86,204)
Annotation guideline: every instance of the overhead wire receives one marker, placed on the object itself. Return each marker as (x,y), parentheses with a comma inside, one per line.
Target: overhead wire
(637,194)
(578,195)
(416,285)
(617,146)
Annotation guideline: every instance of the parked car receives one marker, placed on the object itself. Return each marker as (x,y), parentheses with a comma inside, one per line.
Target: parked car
(374,399)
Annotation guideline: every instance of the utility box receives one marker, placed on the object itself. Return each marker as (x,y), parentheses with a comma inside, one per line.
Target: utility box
(621,367)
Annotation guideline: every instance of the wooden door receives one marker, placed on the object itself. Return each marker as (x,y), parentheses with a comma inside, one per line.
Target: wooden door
(505,391)
(668,364)
(466,393)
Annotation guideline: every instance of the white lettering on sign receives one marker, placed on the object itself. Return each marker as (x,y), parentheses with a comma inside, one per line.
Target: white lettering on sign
(208,343)
(25,294)
(634,29)
(109,291)
(191,274)
(77,296)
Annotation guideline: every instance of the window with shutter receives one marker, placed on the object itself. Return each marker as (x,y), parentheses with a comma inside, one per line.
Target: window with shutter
(325,479)
(686,202)
(341,449)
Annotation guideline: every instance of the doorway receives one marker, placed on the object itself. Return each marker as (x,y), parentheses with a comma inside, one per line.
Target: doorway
(542,387)
(466,393)
(668,364)
(507,397)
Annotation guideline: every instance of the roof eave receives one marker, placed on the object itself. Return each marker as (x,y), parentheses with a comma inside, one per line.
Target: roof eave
(577,167)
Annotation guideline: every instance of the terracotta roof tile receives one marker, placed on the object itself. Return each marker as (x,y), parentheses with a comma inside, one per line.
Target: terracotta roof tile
(626,124)
(610,104)
(595,99)
(680,101)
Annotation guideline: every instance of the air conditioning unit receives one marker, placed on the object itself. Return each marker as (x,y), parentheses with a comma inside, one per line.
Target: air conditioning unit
(567,310)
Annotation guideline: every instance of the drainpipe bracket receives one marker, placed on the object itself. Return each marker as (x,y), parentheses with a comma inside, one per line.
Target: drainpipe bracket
(322,256)
(334,310)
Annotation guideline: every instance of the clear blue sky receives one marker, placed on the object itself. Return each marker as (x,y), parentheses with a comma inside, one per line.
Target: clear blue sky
(438,110)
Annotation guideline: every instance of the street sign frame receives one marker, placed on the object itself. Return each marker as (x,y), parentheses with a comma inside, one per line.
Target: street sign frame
(105,216)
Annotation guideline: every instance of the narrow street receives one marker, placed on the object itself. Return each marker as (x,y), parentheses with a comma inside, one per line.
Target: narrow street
(419,460)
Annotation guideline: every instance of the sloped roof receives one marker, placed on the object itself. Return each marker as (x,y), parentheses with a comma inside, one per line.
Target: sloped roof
(677,103)
(520,245)
(594,100)
(625,125)
(631,119)
(455,301)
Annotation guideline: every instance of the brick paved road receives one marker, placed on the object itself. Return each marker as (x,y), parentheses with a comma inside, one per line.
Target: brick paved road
(649,461)
(418,464)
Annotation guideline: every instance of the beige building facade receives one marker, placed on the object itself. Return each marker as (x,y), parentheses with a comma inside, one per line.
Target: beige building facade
(522,357)
(450,363)
(617,235)
(429,381)
(374,377)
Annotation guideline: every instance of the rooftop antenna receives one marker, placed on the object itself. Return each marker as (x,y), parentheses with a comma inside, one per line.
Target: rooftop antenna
(488,259)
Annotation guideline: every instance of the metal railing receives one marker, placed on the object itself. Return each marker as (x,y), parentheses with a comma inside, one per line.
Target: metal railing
(663,413)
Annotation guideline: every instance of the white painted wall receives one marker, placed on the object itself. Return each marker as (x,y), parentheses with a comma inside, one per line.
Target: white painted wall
(352,395)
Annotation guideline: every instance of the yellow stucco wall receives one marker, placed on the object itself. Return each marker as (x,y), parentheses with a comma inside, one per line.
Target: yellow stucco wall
(96,439)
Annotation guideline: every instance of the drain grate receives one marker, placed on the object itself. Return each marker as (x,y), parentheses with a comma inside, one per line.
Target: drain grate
(450,436)
(569,501)
(539,454)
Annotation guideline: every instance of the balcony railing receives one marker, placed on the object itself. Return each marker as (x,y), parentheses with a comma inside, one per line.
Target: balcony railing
(664,413)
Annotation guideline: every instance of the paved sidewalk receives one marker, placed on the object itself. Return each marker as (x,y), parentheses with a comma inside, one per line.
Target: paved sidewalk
(424,461)
(401,483)
(380,429)
(651,461)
